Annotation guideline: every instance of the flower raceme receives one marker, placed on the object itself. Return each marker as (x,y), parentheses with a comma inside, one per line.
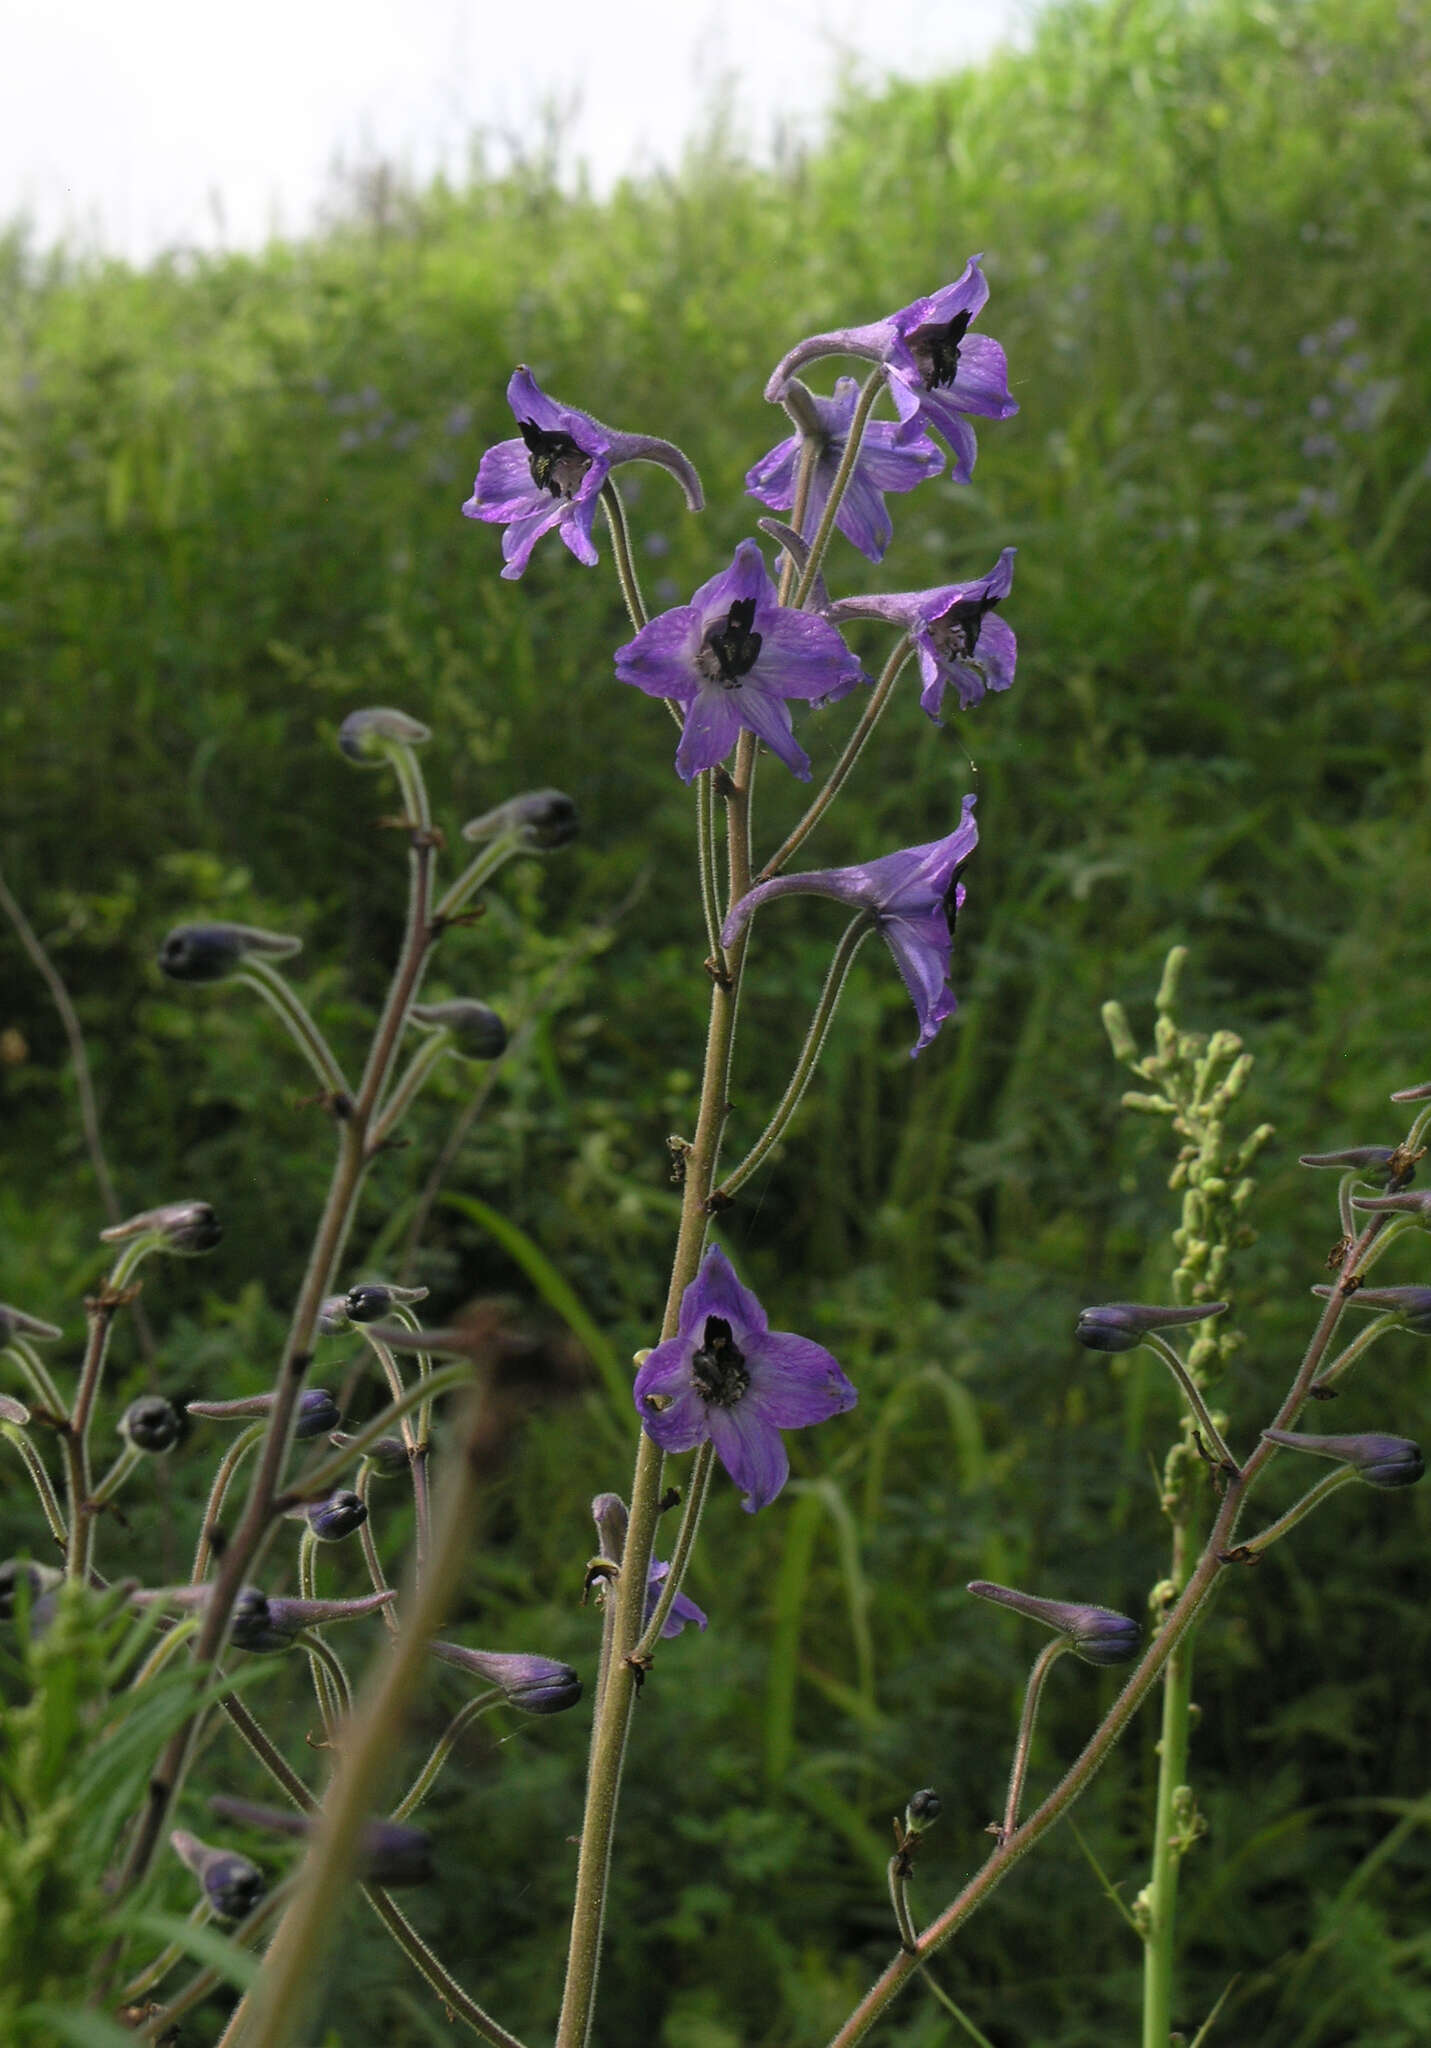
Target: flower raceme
(727,1379)
(954,631)
(936,370)
(891,457)
(732,658)
(912,897)
(553,476)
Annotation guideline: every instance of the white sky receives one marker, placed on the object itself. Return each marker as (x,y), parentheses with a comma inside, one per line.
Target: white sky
(137,125)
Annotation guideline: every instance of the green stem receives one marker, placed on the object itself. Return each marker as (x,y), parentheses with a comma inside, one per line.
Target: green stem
(457,2002)
(1255,1545)
(856,933)
(1161,1896)
(626,575)
(233,1457)
(1362,1341)
(442,1749)
(362,1485)
(420,1068)
(811,446)
(320,1654)
(481,868)
(327,1473)
(869,718)
(706,861)
(681,1556)
(899,1900)
(1192,1396)
(167,1646)
(284,999)
(115,1477)
(41,1478)
(100,1313)
(870,391)
(37,1379)
(1044,1662)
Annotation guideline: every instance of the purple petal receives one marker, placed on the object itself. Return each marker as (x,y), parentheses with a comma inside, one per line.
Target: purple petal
(681,1425)
(969,294)
(862,517)
(716,1291)
(661,659)
(575,529)
(752,1451)
(683,1608)
(713,724)
(921,947)
(523,534)
(529,402)
(796,1382)
(504,488)
(803,656)
(947,421)
(998,651)
(768,717)
(982,385)
(772,479)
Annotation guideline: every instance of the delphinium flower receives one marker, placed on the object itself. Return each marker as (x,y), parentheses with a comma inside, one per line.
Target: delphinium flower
(728,1379)
(553,475)
(892,457)
(732,658)
(937,371)
(912,897)
(683,1608)
(955,631)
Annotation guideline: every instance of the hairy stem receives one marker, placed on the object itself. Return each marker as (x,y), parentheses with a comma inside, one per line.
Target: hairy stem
(840,773)
(1033,1692)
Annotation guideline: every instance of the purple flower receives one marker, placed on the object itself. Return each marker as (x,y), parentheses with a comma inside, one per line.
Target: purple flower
(891,458)
(913,898)
(954,630)
(728,1379)
(552,476)
(936,369)
(682,1608)
(732,657)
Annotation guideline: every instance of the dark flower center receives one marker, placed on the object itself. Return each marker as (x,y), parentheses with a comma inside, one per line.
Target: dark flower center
(718,1370)
(556,463)
(956,634)
(936,350)
(730,651)
(950,901)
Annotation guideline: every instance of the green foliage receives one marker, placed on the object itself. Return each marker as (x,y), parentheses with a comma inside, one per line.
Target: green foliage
(230,493)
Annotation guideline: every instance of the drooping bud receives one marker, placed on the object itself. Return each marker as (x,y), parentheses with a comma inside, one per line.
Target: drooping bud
(368,737)
(534,1685)
(264,1624)
(341,1514)
(211,952)
(151,1424)
(388,1456)
(1122,1325)
(1096,1634)
(13,1411)
(232,1885)
(371,1300)
(288,1615)
(1372,1162)
(608,1511)
(923,1810)
(477,1031)
(389,1852)
(317,1411)
(1385,1461)
(1411,1305)
(1415,1202)
(542,819)
(252,1626)
(15,1323)
(187,1228)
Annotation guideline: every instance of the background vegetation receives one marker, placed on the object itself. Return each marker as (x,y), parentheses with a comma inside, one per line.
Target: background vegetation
(230,493)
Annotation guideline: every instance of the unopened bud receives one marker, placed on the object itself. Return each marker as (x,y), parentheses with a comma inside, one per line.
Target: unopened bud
(253,1628)
(534,1685)
(1386,1461)
(1415,1202)
(1410,1305)
(1372,1162)
(13,1411)
(368,737)
(232,1885)
(923,1810)
(1122,1325)
(1120,1037)
(388,1456)
(184,1227)
(1096,1634)
(477,1031)
(541,819)
(371,1300)
(151,1424)
(341,1514)
(210,952)
(333,1317)
(389,1852)
(608,1511)
(317,1411)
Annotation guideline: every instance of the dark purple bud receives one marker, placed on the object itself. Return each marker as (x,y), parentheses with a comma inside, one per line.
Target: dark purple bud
(477,1031)
(15,1323)
(368,737)
(1416,1202)
(317,1411)
(1373,1162)
(340,1515)
(542,819)
(1122,1325)
(151,1424)
(923,1810)
(371,1300)
(210,952)
(389,1853)
(534,1685)
(1386,1461)
(1096,1634)
(185,1227)
(39,1580)
(287,1615)
(232,1885)
(253,1628)
(388,1456)
(1410,1305)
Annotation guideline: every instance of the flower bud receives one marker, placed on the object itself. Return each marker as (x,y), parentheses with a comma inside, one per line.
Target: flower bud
(371,1300)
(341,1514)
(210,952)
(232,1885)
(261,1623)
(1411,1305)
(368,737)
(333,1317)
(1386,1461)
(317,1411)
(388,1456)
(1416,1202)
(288,1616)
(1420,1093)
(253,1628)
(389,1852)
(923,1810)
(477,1031)
(533,1685)
(187,1228)
(608,1511)
(1372,1162)
(15,1323)
(13,1411)
(1096,1634)
(151,1424)
(541,819)
(1122,1325)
